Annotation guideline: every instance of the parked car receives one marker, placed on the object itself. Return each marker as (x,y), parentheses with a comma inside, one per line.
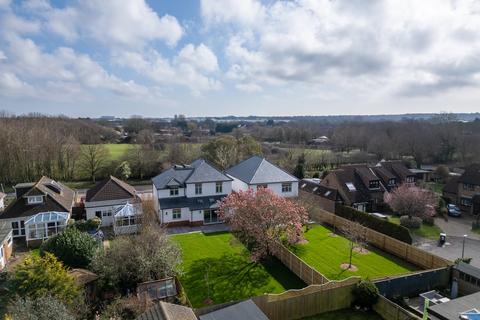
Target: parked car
(379,215)
(453,210)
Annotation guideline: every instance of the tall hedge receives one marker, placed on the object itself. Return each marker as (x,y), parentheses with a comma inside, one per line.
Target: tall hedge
(383,226)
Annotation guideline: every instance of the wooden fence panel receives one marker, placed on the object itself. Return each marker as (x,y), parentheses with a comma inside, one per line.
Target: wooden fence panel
(312,300)
(305,272)
(389,310)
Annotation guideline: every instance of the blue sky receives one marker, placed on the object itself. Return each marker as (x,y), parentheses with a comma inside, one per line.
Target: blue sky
(230,57)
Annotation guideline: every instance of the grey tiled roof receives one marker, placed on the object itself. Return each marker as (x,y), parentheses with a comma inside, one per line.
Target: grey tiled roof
(239,311)
(198,171)
(257,170)
(195,203)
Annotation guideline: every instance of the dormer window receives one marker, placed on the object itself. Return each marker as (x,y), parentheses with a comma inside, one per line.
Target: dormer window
(392,182)
(174,191)
(35,199)
(374,184)
(350,187)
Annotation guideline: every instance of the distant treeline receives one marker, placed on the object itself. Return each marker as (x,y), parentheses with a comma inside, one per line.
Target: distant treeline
(31,146)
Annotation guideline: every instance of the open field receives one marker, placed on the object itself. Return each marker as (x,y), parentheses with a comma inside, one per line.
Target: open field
(118,151)
(425,231)
(218,267)
(326,253)
(346,315)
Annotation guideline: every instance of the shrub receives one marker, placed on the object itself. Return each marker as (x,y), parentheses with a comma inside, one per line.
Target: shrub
(73,247)
(383,226)
(91,224)
(40,308)
(37,276)
(465,260)
(365,294)
(411,223)
(429,221)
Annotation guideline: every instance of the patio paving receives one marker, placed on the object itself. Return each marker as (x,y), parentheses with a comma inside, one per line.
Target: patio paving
(205,229)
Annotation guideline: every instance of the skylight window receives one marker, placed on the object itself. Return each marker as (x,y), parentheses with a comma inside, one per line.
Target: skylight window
(351,187)
(315,189)
(327,193)
(304,185)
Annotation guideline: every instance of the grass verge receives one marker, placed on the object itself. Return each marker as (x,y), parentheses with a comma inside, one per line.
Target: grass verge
(425,231)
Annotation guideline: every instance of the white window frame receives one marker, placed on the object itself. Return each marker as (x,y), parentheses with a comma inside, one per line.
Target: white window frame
(35,199)
(410,179)
(174,191)
(198,188)
(176,214)
(286,187)
(218,187)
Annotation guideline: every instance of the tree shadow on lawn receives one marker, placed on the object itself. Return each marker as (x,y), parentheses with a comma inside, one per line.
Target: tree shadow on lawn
(232,277)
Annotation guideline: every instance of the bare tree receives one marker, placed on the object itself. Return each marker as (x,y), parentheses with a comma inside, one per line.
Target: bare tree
(93,159)
(357,236)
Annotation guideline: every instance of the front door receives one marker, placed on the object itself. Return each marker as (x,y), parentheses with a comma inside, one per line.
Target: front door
(210,216)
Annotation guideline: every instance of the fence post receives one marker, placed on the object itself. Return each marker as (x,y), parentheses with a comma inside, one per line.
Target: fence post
(311,269)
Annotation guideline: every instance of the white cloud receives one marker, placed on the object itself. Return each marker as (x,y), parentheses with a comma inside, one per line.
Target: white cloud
(244,12)
(191,67)
(125,23)
(368,45)
(201,57)
(249,87)
(60,72)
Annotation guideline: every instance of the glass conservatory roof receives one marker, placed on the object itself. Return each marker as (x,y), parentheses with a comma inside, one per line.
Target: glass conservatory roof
(50,216)
(127,210)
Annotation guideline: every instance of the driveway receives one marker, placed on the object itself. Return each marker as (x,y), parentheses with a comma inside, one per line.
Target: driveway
(453,248)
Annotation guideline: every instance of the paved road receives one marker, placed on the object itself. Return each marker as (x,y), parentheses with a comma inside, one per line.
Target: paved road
(455,228)
(453,249)
(458,226)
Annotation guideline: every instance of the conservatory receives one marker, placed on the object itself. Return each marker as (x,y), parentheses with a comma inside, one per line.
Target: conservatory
(127,218)
(45,225)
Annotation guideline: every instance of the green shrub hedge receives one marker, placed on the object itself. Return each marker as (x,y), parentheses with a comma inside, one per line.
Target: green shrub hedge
(390,229)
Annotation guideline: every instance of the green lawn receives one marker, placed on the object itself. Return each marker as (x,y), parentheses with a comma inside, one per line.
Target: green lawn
(326,253)
(347,314)
(425,231)
(116,151)
(220,260)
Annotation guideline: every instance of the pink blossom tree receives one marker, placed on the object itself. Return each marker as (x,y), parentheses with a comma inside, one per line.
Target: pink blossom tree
(261,218)
(411,201)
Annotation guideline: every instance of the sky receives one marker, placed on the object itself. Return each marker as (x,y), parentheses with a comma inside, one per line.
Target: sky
(157,58)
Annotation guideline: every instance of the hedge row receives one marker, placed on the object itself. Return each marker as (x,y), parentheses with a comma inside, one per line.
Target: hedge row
(383,226)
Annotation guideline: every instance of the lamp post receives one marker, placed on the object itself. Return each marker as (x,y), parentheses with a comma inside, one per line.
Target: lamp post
(463,246)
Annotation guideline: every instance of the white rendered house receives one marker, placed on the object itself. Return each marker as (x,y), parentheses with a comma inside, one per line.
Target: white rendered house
(189,194)
(106,197)
(256,172)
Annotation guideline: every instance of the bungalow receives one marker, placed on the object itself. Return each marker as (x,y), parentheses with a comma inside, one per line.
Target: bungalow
(256,172)
(464,190)
(44,196)
(189,194)
(6,244)
(107,200)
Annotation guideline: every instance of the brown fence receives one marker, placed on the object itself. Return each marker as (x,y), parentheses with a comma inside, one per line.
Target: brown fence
(418,257)
(389,310)
(309,301)
(305,272)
